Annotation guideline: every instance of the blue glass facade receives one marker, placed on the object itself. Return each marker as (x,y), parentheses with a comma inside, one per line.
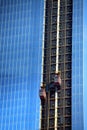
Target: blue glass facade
(21,24)
(77,66)
(85,62)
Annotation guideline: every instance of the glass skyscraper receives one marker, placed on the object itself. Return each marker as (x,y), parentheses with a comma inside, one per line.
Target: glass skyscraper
(21,23)
(37,38)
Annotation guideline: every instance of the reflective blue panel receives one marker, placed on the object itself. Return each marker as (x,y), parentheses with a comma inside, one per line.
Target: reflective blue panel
(85,62)
(77,66)
(21,27)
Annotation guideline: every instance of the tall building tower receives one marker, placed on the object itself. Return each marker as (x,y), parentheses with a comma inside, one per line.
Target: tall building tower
(56,109)
(21,24)
(61,108)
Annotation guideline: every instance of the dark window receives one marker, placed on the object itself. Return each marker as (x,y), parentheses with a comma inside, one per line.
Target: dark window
(62,10)
(68,92)
(52,94)
(67,120)
(54,19)
(69,25)
(68,83)
(53,59)
(69,2)
(54,35)
(61,66)
(54,27)
(68,111)
(53,51)
(69,17)
(69,8)
(68,66)
(55,3)
(69,40)
(54,11)
(52,103)
(51,123)
(68,33)
(61,58)
(61,50)
(52,75)
(68,128)
(53,42)
(67,57)
(68,49)
(68,102)
(68,74)
(60,102)
(62,25)
(53,68)
(62,17)
(61,41)
(52,112)
(62,33)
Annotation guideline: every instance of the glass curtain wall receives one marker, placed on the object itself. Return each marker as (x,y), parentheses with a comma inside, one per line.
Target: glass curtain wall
(21,23)
(77,66)
(85,62)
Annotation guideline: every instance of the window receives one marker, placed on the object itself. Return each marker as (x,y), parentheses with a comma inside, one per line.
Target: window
(68,83)
(69,41)
(68,128)
(68,66)
(54,11)
(54,35)
(62,17)
(62,3)
(60,111)
(68,111)
(46,44)
(52,112)
(67,57)
(68,25)
(68,102)
(53,43)
(61,66)
(53,51)
(62,33)
(61,58)
(60,120)
(55,3)
(69,17)
(53,59)
(52,76)
(60,102)
(46,52)
(52,103)
(53,67)
(61,41)
(62,25)
(51,123)
(61,50)
(68,74)
(69,8)
(68,92)
(62,10)
(52,94)
(45,69)
(54,19)
(68,49)
(69,2)
(54,27)
(68,33)
(67,120)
